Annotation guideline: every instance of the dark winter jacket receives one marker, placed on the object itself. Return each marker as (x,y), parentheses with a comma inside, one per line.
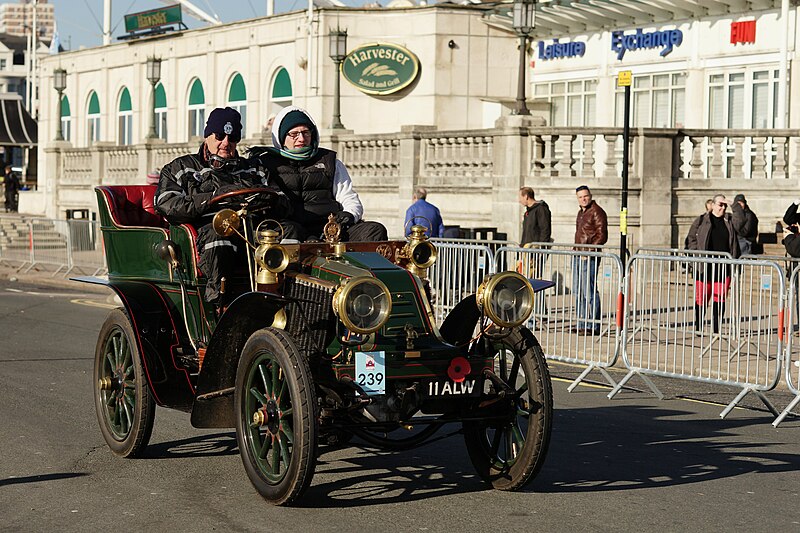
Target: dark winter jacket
(700,234)
(745,222)
(536,223)
(188,183)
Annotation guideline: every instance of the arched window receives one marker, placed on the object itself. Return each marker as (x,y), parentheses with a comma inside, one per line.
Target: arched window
(93,119)
(237,99)
(161,112)
(281,91)
(197,109)
(125,117)
(66,119)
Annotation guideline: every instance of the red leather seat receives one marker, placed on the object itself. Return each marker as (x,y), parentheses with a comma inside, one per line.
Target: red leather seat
(133,205)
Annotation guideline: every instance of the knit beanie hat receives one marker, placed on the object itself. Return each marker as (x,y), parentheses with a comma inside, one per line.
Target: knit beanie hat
(292,120)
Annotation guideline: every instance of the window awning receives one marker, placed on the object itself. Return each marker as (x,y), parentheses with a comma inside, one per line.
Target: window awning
(565,17)
(17,127)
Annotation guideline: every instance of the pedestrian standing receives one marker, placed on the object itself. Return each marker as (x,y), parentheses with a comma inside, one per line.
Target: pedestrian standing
(11,184)
(745,222)
(714,232)
(591,227)
(536,221)
(423,213)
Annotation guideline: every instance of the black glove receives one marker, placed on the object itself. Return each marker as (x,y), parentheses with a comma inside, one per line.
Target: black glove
(226,188)
(200,201)
(345,220)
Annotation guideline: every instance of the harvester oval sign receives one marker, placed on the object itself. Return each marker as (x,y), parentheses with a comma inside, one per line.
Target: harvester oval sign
(380,68)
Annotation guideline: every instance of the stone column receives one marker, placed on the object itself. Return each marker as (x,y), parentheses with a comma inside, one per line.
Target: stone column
(510,169)
(654,167)
(410,161)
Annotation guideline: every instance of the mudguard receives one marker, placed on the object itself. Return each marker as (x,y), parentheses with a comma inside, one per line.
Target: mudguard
(159,330)
(459,326)
(213,406)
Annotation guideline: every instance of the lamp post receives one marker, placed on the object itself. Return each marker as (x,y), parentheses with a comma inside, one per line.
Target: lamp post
(153,76)
(338,51)
(59,84)
(523,20)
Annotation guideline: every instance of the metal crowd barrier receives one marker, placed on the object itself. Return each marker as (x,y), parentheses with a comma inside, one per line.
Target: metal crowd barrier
(792,366)
(457,273)
(735,339)
(564,320)
(493,245)
(15,246)
(49,244)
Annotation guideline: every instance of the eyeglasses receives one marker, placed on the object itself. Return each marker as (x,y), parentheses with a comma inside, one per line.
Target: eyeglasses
(721,204)
(231,137)
(296,134)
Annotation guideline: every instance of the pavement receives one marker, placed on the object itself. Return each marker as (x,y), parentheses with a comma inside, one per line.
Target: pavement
(720,395)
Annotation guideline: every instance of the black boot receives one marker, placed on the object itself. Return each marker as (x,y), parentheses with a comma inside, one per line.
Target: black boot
(699,317)
(718,311)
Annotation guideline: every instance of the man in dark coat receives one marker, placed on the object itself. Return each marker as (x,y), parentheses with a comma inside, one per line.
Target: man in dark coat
(713,232)
(315,181)
(188,183)
(745,222)
(12,185)
(537,220)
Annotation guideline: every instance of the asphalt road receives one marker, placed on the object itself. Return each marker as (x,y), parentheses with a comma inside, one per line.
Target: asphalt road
(631,464)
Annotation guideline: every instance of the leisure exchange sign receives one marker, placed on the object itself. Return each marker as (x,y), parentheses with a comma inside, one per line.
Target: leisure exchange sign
(380,68)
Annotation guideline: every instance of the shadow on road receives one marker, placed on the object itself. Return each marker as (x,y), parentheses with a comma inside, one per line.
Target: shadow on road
(208,445)
(637,447)
(40,478)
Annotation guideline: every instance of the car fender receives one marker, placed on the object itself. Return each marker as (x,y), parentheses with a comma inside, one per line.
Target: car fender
(459,325)
(250,312)
(159,330)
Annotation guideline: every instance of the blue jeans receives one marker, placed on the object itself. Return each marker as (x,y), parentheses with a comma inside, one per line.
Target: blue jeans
(584,286)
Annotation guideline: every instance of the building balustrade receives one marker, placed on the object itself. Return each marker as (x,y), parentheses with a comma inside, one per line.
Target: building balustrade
(474,175)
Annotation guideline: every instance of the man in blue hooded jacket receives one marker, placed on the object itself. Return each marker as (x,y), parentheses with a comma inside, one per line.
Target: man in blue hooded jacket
(315,181)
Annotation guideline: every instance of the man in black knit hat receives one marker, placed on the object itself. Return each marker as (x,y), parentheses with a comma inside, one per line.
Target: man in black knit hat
(315,181)
(188,183)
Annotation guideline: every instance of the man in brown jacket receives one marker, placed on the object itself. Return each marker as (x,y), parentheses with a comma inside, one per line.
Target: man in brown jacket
(591,227)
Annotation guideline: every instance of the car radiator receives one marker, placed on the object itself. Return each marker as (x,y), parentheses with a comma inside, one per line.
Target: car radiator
(310,318)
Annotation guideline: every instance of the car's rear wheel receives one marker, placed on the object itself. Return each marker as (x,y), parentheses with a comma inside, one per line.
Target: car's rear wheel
(122,398)
(276,422)
(509,450)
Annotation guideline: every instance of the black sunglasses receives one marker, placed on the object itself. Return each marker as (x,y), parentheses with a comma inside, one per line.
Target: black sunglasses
(231,137)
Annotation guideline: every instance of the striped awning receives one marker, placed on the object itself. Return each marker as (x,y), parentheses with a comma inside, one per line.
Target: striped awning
(17,126)
(566,17)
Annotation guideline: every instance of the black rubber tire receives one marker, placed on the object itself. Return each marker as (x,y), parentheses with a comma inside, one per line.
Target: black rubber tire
(126,410)
(490,444)
(293,436)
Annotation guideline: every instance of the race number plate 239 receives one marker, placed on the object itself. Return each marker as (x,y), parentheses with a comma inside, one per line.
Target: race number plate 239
(371,372)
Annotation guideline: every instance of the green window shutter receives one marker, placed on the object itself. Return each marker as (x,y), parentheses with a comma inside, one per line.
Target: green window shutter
(282,88)
(196,95)
(65,107)
(125,100)
(161,97)
(94,104)
(237,92)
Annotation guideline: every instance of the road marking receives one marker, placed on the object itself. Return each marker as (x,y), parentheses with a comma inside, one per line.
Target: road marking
(93,303)
(47,294)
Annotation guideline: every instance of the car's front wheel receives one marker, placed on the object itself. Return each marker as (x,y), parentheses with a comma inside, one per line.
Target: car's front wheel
(122,398)
(509,449)
(276,422)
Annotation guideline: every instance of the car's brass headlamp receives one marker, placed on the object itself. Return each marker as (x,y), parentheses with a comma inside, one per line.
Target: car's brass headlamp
(363,304)
(271,257)
(506,298)
(420,252)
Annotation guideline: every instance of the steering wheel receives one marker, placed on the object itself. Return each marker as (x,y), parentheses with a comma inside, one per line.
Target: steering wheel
(245,197)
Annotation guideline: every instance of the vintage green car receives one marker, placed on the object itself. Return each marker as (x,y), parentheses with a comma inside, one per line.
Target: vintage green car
(327,340)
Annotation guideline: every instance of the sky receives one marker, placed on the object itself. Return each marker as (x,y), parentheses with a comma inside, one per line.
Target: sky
(80,22)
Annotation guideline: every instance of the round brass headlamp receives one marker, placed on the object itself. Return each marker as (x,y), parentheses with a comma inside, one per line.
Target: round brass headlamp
(423,254)
(363,304)
(273,257)
(506,298)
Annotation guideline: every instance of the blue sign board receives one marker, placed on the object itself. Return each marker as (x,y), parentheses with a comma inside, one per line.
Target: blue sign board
(665,39)
(557,49)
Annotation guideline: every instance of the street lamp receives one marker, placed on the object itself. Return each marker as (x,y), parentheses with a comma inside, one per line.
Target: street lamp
(153,76)
(523,20)
(59,84)
(337,48)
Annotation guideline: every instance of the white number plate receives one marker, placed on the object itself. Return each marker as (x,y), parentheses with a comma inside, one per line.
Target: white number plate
(371,372)
(451,388)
